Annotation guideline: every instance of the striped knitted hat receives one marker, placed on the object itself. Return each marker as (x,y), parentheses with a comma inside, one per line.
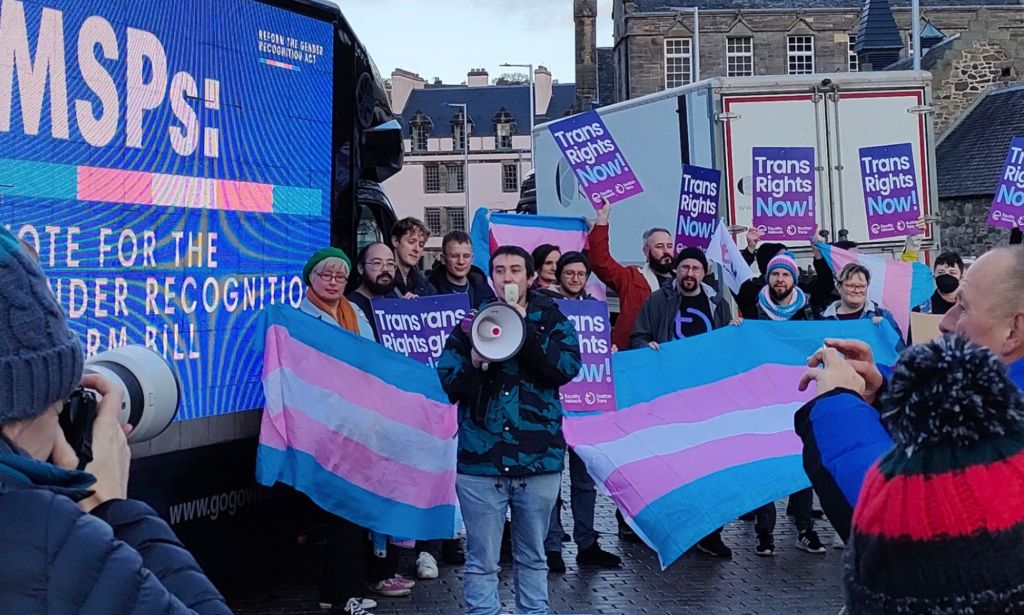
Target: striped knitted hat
(939,525)
(784,260)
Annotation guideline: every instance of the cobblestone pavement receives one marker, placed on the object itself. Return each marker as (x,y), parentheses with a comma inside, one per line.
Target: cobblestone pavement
(791,582)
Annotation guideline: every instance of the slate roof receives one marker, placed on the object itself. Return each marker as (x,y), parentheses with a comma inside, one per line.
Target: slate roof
(930,57)
(970,158)
(483,103)
(877,28)
(653,6)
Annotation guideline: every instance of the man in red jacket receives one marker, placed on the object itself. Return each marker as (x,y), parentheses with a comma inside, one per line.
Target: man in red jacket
(633,284)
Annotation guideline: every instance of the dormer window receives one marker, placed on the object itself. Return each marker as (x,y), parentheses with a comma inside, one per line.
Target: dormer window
(420,126)
(504,128)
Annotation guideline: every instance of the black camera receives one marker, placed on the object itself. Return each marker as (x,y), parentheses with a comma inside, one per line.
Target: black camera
(76,422)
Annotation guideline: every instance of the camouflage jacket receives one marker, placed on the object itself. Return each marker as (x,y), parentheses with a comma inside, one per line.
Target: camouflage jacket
(510,417)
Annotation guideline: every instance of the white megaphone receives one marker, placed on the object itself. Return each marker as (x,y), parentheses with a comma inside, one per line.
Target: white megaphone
(497,332)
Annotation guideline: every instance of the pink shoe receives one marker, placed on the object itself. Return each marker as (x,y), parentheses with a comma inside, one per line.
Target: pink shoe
(406,582)
(395,587)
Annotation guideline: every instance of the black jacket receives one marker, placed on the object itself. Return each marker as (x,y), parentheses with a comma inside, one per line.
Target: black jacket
(479,290)
(656,320)
(363,303)
(416,283)
(120,558)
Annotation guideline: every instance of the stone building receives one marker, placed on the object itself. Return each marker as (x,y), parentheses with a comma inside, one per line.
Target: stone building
(654,40)
(969,161)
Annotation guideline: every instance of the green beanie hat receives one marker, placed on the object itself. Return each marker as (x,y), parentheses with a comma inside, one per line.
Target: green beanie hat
(321,255)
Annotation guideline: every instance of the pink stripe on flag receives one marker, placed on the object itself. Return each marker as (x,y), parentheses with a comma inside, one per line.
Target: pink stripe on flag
(528,237)
(899,277)
(638,484)
(357,387)
(765,385)
(842,258)
(245,196)
(356,463)
(114,186)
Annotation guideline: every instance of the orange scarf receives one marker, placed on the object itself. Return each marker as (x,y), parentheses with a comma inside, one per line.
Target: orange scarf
(345,314)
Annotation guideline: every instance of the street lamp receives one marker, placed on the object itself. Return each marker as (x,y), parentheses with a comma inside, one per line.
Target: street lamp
(528,67)
(465,158)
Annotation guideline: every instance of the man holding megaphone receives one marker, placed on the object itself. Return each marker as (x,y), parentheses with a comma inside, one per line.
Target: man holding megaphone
(503,368)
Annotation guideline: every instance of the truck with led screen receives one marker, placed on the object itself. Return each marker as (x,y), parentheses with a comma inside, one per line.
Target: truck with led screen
(174,164)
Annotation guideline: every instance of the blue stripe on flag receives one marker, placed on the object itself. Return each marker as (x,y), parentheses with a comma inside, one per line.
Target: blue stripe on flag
(363,354)
(679,519)
(339,497)
(480,233)
(645,375)
(554,223)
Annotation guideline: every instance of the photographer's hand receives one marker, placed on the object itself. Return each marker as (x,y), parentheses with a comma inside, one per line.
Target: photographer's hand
(111,455)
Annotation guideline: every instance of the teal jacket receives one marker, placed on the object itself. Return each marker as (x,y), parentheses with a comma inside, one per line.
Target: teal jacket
(510,416)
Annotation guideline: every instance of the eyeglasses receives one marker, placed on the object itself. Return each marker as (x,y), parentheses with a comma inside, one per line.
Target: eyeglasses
(379,264)
(689,268)
(337,277)
(855,288)
(575,274)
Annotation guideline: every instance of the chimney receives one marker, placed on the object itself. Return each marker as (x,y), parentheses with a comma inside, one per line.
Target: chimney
(584,13)
(477,77)
(878,39)
(403,82)
(541,90)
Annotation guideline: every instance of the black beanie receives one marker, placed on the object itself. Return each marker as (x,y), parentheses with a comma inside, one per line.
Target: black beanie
(695,253)
(569,258)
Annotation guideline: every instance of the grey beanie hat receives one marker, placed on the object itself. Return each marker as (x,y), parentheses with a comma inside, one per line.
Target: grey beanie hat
(40,358)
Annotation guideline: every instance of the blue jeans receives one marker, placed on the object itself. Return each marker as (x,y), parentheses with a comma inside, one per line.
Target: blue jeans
(484,501)
(582,499)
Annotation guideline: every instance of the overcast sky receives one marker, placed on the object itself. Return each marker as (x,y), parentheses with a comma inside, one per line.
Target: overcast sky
(446,38)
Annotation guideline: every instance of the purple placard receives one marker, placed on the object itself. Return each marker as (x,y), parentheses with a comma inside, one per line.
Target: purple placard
(1008,205)
(595,158)
(890,190)
(419,328)
(592,390)
(698,207)
(784,192)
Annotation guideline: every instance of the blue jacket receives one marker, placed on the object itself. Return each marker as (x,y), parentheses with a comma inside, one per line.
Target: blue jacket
(843,436)
(120,558)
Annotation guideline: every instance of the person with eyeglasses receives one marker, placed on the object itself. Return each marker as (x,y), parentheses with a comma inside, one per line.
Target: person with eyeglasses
(376,266)
(571,274)
(852,283)
(326,274)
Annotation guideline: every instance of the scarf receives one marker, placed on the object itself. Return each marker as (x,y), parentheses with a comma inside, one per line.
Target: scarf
(781,312)
(344,313)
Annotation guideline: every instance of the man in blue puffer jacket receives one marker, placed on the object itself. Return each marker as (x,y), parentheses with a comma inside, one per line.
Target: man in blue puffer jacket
(71,541)
(841,428)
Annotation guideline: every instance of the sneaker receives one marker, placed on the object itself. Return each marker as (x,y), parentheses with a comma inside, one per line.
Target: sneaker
(406,581)
(712,545)
(765,544)
(555,562)
(452,552)
(364,603)
(808,541)
(354,606)
(426,566)
(594,555)
(394,587)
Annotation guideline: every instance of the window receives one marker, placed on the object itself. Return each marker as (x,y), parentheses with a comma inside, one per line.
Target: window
(447,177)
(510,177)
(432,218)
(504,128)
(854,63)
(420,126)
(800,55)
(431,178)
(442,220)
(739,56)
(678,62)
(458,140)
(456,177)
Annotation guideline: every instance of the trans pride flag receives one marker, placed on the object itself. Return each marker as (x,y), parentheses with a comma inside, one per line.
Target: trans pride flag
(897,286)
(492,230)
(368,434)
(704,430)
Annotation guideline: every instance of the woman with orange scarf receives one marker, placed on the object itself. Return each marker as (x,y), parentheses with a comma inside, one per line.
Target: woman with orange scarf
(326,273)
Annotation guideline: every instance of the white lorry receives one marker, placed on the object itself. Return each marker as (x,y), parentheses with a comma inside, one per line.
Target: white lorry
(716,123)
